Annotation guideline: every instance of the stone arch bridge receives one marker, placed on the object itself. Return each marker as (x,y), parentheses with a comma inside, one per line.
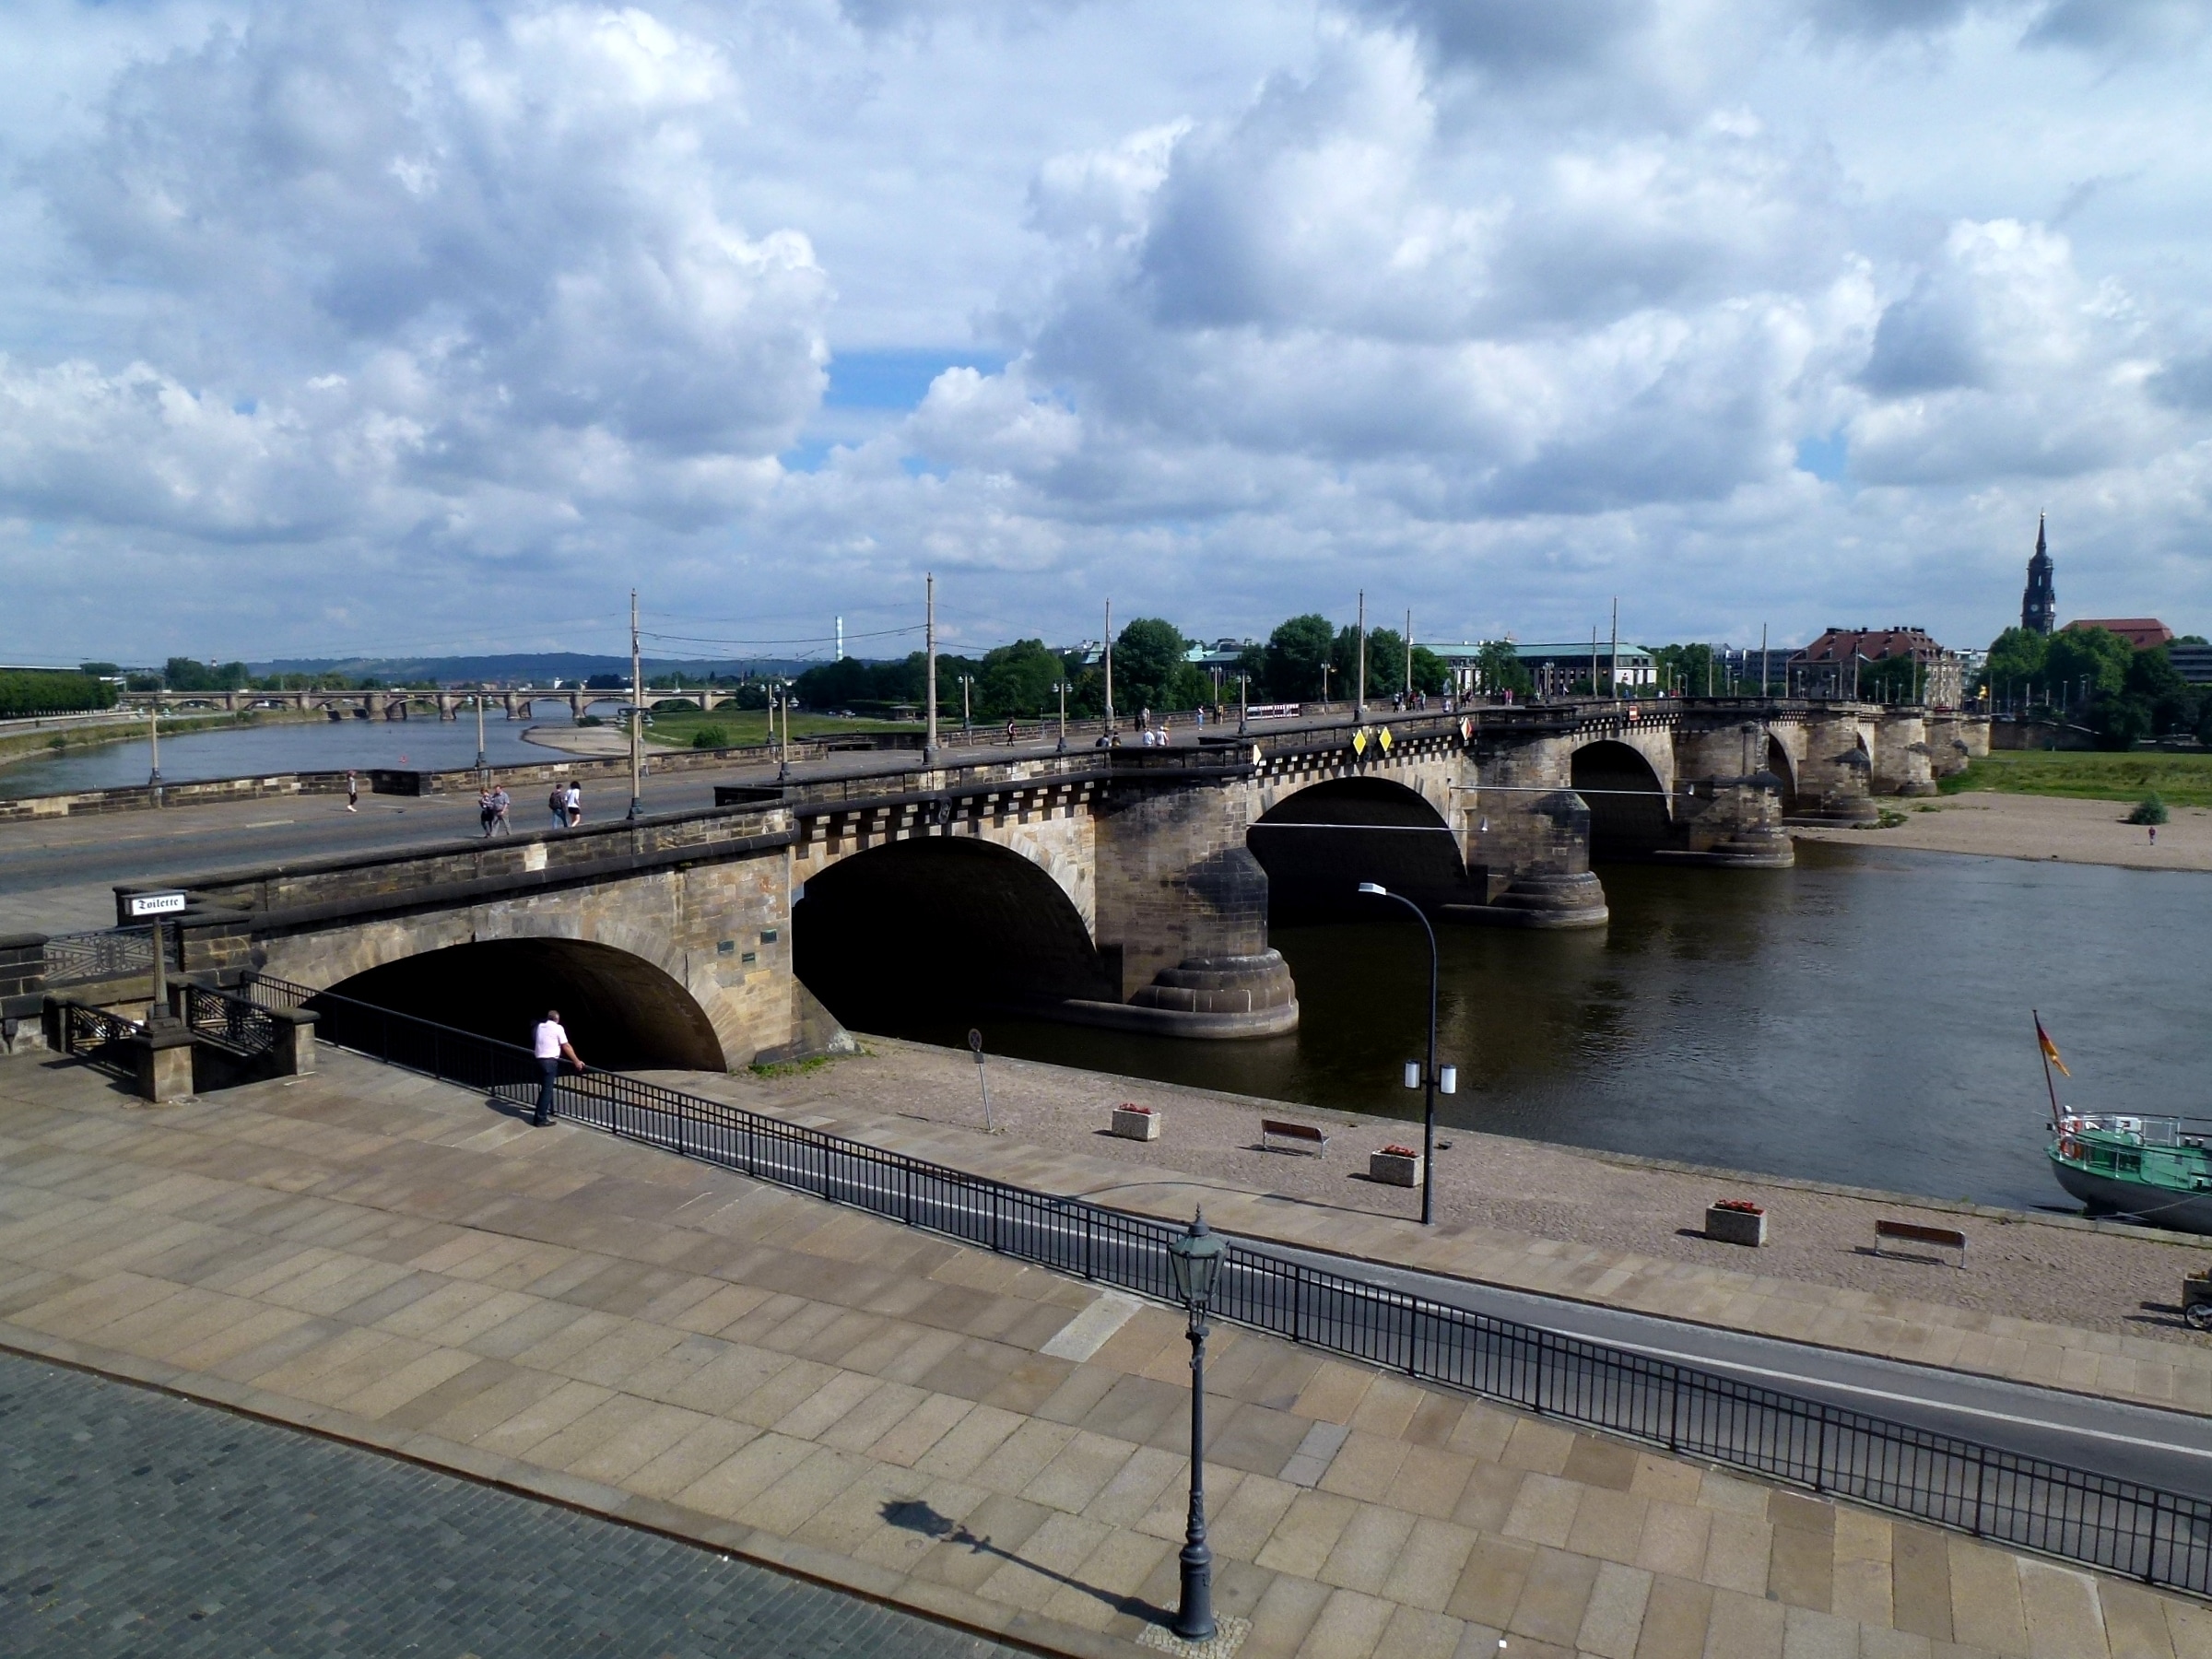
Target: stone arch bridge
(401,703)
(1128,888)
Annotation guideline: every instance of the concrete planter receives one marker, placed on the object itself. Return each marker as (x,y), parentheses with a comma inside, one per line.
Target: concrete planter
(1736,1226)
(1394,1170)
(1137,1125)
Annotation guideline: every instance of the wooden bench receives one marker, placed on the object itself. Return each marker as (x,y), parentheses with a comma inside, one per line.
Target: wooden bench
(1916,1232)
(1305,1135)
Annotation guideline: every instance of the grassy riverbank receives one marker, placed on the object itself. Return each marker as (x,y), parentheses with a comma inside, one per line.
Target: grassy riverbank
(676,728)
(2181,780)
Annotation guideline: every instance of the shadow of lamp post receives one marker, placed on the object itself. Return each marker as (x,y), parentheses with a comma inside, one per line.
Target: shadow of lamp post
(1430,1078)
(1196,1258)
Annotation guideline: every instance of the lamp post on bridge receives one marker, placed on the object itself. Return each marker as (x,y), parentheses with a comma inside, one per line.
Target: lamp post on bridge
(636,717)
(967,713)
(1430,1078)
(1243,703)
(1061,687)
(480,778)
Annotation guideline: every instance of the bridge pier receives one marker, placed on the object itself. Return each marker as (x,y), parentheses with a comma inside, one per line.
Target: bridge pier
(1541,846)
(1728,803)
(1183,917)
(1835,783)
(1901,754)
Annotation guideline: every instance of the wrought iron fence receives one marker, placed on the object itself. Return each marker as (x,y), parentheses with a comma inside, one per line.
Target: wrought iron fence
(2159,1537)
(236,1022)
(113,953)
(92,1033)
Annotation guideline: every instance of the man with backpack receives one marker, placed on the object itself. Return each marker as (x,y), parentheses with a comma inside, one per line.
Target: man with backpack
(558,805)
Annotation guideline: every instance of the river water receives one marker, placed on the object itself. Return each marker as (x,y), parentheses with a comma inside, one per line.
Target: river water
(422,743)
(1863,1017)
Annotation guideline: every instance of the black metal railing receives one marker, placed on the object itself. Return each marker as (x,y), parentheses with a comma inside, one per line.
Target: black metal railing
(93,1034)
(237,1023)
(2159,1537)
(112,953)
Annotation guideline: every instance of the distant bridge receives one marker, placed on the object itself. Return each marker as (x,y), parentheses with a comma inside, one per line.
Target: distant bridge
(1130,888)
(400,702)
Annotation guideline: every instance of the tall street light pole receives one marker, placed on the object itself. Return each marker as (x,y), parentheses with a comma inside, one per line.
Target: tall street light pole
(636,717)
(1359,690)
(929,667)
(1109,660)
(153,732)
(1430,1078)
(1061,687)
(967,715)
(1243,703)
(1196,1258)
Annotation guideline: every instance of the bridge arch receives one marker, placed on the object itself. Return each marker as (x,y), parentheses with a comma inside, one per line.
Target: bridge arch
(1318,844)
(1628,799)
(912,930)
(1779,762)
(621,1011)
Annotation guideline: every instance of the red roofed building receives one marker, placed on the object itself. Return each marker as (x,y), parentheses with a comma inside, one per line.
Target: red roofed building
(1828,666)
(2145,633)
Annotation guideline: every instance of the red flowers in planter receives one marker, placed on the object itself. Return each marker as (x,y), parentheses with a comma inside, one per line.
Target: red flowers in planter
(1744,1204)
(1394,1150)
(1140,1110)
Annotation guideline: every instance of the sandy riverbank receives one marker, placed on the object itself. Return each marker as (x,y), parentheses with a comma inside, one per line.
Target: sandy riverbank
(597,742)
(2046,827)
(2113,1280)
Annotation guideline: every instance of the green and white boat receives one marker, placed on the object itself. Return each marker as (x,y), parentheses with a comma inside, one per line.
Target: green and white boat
(2154,1169)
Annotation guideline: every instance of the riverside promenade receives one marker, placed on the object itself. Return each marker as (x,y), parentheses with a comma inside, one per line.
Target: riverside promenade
(400,1265)
(2053,1302)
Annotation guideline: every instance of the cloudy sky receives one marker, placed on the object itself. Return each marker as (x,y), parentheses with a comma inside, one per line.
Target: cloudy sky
(387,327)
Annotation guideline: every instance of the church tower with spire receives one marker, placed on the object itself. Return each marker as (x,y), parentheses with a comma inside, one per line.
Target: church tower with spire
(2038,604)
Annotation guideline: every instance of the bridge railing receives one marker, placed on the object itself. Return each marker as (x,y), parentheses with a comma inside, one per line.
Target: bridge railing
(78,958)
(238,1023)
(2161,1538)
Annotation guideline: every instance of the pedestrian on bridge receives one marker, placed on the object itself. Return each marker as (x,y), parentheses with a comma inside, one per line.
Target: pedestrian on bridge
(552,1046)
(484,812)
(353,792)
(575,803)
(501,802)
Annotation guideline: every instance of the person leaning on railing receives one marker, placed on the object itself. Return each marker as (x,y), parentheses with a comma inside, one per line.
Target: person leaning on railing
(551,1046)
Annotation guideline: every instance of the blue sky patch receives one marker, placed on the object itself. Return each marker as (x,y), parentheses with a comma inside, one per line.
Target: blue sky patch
(1823,457)
(898,378)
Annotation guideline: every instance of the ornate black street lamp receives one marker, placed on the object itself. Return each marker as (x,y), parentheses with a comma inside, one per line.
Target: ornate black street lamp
(1196,1258)
(1430,1078)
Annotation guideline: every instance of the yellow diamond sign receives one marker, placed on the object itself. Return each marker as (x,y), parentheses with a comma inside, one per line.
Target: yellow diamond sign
(1359,741)
(1383,738)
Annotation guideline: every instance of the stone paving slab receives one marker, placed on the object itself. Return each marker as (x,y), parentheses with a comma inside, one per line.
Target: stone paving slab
(2142,1370)
(366,1253)
(136,1523)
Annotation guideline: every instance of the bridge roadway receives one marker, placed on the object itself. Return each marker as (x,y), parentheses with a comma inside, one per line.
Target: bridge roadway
(58,875)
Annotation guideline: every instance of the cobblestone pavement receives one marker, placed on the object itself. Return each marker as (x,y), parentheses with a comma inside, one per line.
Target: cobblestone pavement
(131,1523)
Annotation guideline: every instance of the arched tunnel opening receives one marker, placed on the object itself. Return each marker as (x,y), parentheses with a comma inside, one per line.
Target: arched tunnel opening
(621,1011)
(1628,804)
(900,937)
(1321,844)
